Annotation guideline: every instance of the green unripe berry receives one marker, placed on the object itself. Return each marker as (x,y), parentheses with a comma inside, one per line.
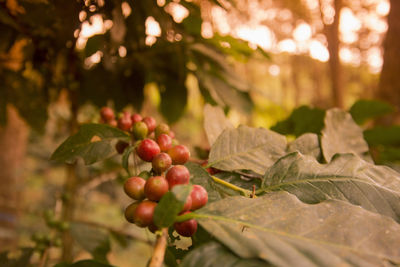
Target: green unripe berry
(162,128)
(140,130)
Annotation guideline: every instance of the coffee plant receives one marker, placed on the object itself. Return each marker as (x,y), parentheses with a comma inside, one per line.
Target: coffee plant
(258,200)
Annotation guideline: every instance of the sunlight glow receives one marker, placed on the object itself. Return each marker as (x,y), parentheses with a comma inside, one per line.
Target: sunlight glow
(318,51)
(349,25)
(178,12)
(302,32)
(152,27)
(287,45)
(260,35)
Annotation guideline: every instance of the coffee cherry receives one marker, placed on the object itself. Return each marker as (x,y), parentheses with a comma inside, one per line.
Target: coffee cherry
(179,154)
(147,149)
(125,122)
(199,197)
(186,228)
(145,174)
(178,174)
(162,128)
(143,215)
(120,146)
(107,114)
(165,142)
(161,162)
(171,134)
(136,118)
(150,122)
(113,123)
(134,187)
(139,130)
(155,188)
(188,204)
(130,212)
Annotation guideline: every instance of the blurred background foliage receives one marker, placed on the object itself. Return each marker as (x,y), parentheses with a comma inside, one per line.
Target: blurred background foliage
(277,64)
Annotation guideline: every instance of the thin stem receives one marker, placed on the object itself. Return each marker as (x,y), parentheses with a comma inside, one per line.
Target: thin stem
(43,258)
(245,192)
(159,249)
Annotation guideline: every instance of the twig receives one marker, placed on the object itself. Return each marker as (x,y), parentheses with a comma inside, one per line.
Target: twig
(96,181)
(43,258)
(245,192)
(159,249)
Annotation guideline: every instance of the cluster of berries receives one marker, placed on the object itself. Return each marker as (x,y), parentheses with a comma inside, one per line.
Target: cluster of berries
(155,144)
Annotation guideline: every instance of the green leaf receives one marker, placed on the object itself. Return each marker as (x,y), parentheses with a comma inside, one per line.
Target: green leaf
(346,178)
(302,120)
(215,122)
(248,148)
(21,259)
(387,136)
(218,255)
(83,263)
(283,231)
(92,239)
(125,158)
(93,142)
(306,144)
(363,109)
(342,135)
(171,205)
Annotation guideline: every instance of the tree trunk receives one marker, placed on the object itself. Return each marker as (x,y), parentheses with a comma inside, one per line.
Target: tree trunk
(13,143)
(389,83)
(332,35)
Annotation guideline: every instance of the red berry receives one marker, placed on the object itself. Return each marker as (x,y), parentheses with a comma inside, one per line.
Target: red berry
(136,118)
(113,123)
(171,134)
(125,123)
(186,228)
(162,128)
(139,130)
(147,149)
(199,197)
(161,162)
(134,187)
(130,211)
(179,154)
(178,174)
(107,114)
(165,142)
(150,122)
(143,215)
(120,146)
(155,188)
(188,204)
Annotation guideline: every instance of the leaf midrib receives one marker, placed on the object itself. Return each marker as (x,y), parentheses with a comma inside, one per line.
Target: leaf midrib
(285,234)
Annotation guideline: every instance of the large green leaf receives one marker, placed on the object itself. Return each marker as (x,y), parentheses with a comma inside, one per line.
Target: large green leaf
(217,255)
(342,135)
(92,239)
(302,120)
(363,110)
(280,229)
(306,144)
(387,136)
(254,149)
(215,122)
(346,178)
(93,142)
